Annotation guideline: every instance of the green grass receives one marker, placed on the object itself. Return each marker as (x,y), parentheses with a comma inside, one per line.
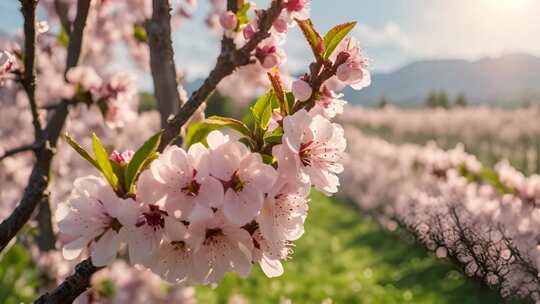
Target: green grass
(343,256)
(347,258)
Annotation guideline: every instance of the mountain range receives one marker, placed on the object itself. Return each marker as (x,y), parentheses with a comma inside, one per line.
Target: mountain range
(509,79)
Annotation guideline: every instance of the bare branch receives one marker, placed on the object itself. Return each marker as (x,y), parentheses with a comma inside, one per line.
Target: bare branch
(39,178)
(62,10)
(28,9)
(229,59)
(24,148)
(162,60)
(46,240)
(76,35)
(72,287)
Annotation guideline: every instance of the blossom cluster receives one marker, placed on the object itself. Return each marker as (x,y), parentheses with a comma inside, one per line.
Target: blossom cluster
(486,220)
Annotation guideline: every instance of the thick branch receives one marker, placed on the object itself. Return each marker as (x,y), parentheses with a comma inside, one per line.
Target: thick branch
(72,287)
(46,240)
(162,60)
(39,178)
(62,10)
(28,9)
(229,59)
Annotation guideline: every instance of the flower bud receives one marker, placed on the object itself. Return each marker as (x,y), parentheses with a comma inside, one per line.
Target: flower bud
(228,20)
(122,158)
(7,62)
(301,90)
(270,61)
(280,25)
(249,31)
(295,5)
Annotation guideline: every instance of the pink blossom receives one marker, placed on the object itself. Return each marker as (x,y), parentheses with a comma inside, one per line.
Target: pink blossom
(284,212)
(297,9)
(218,247)
(178,181)
(175,257)
(245,178)
(301,90)
(86,77)
(352,65)
(269,254)
(94,217)
(7,62)
(329,104)
(311,151)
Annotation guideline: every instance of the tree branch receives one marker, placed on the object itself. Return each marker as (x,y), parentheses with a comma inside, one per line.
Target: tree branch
(28,9)
(46,240)
(39,178)
(162,65)
(72,287)
(24,148)
(229,59)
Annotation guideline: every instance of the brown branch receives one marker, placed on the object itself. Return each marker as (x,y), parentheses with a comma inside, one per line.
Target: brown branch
(229,59)
(28,9)
(162,60)
(39,178)
(72,287)
(46,239)
(62,10)
(76,34)
(24,148)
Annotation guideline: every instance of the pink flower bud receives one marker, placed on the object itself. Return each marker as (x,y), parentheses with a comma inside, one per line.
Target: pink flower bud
(295,5)
(228,20)
(249,31)
(122,158)
(280,25)
(7,62)
(301,90)
(271,60)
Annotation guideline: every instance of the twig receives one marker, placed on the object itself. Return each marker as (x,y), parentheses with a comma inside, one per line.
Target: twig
(46,240)
(28,9)
(62,10)
(24,148)
(162,60)
(229,59)
(39,178)
(72,287)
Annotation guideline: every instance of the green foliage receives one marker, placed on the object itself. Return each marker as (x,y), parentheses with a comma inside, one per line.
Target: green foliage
(225,122)
(348,258)
(141,160)
(103,162)
(335,36)
(139,33)
(242,15)
(63,38)
(147,102)
(19,279)
(197,132)
(461,101)
(262,110)
(82,152)
(437,100)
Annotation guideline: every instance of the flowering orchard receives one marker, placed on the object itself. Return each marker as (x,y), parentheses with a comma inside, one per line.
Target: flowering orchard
(484,220)
(184,197)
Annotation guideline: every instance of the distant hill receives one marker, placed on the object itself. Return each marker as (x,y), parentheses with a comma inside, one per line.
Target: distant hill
(508,79)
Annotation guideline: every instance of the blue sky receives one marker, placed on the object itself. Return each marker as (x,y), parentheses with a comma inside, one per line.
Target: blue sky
(392,32)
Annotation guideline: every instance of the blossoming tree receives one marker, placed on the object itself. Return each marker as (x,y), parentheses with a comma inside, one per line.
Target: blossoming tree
(201,197)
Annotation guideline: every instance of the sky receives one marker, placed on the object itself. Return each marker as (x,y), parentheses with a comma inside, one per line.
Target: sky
(392,32)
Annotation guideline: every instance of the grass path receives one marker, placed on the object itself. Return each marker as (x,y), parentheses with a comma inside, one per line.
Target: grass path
(347,258)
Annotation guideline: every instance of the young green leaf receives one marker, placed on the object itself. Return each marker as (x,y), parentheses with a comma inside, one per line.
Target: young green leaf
(197,132)
(262,110)
(313,38)
(225,122)
(242,15)
(135,165)
(274,137)
(103,162)
(139,33)
(334,37)
(82,152)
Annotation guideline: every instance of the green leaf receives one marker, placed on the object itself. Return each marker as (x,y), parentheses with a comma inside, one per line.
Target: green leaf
(103,162)
(226,122)
(274,137)
(268,159)
(63,38)
(313,38)
(197,132)
(262,110)
(334,37)
(135,165)
(289,97)
(242,15)
(139,33)
(82,152)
